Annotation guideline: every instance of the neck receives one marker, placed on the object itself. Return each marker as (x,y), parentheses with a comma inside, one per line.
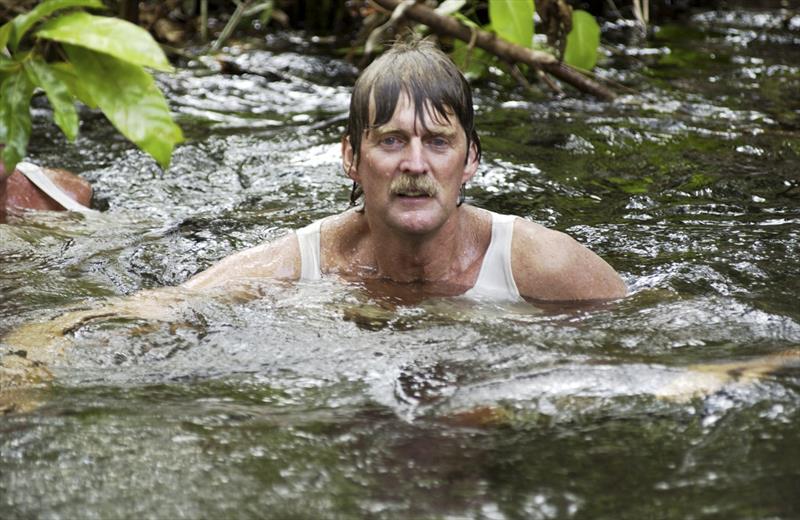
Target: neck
(439,256)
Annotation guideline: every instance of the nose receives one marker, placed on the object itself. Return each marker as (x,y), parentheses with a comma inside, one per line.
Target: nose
(414,161)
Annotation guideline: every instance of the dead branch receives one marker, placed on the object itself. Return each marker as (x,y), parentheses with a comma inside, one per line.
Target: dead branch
(501,48)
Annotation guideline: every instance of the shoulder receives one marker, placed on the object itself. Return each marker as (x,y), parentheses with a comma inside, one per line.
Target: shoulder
(279,259)
(342,241)
(550,265)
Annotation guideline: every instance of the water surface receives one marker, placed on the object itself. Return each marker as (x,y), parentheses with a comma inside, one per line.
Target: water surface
(326,400)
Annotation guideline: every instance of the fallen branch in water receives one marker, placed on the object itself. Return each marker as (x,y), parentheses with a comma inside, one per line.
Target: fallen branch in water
(501,48)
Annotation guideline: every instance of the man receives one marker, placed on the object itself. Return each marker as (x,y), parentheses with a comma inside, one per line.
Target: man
(410,147)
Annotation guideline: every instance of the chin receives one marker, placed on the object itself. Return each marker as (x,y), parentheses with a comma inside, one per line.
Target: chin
(418,222)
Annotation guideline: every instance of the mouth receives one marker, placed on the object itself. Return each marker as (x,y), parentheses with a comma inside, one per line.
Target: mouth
(413,194)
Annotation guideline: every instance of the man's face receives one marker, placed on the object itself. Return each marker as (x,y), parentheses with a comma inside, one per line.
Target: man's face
(411,175)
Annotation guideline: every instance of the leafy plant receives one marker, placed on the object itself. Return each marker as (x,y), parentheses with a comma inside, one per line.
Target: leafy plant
(102,63)
(513,21)
(582,41)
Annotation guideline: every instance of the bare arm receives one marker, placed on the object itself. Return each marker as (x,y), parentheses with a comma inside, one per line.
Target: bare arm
(278,260)
(551,266)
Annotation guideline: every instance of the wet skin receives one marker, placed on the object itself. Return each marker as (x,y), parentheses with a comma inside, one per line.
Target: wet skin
(404,146)
(413,231)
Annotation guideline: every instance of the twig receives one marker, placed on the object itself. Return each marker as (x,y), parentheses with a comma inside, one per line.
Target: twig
(204,20)
(522,80)
(231,25)
(470,46)
(547,80)
(378,32)
(614,7)
(642,14)
(519,77)
(499,47)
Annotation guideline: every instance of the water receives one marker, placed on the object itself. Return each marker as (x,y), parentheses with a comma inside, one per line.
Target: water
(326,400)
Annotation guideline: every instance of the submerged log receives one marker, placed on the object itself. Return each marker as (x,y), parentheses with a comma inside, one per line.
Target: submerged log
(503,49)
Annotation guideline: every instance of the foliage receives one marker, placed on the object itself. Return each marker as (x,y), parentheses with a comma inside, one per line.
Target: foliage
(472,61)
(101,63)
(513,20)
(582,41)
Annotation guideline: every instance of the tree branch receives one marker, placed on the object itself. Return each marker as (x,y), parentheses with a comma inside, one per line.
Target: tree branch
(501,48)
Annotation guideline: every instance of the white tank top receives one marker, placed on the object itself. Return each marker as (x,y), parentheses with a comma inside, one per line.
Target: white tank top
(309,240)
(495,279)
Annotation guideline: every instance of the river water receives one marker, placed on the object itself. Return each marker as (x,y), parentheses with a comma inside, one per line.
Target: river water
(325,400)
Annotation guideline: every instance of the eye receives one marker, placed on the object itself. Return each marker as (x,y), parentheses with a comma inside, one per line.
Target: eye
(438,142)
(391,141)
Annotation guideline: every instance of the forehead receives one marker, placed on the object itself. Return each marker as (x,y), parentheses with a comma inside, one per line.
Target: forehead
(406,114)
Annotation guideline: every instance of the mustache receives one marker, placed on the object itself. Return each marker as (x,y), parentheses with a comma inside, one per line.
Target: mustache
(414,184)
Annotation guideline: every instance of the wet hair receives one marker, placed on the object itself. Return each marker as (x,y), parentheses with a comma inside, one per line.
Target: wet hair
(417,68)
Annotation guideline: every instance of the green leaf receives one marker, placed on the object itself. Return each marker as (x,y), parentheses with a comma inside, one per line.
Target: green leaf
(8,65)
(121,39)
(5,34)
(15,117)
(22,23)
(66,73)
(130,99)
(64,113)
(513,20)
(582,41)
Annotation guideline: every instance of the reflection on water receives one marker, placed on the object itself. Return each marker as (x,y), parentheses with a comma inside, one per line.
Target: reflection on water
(338,400)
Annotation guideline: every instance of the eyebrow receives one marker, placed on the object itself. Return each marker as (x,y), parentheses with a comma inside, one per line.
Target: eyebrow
(433,130)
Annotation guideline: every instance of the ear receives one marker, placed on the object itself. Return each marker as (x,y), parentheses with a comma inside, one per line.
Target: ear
(472,163)
(348,159)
